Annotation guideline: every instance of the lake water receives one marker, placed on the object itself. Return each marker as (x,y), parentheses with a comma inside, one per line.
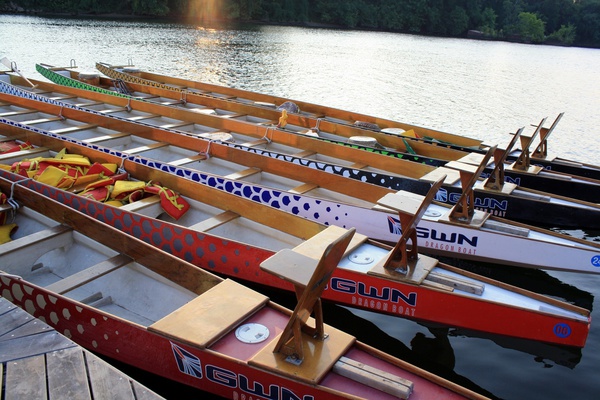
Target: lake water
(481,89)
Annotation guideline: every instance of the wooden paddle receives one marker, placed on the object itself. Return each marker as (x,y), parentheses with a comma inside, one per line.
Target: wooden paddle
(13,67)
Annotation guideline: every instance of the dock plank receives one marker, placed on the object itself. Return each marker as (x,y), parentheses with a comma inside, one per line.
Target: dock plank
(67,378)
(26,379)
(107,383)
(36,362)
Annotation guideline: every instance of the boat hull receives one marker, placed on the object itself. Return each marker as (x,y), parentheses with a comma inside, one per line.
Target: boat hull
(435,237)
(348,285)
(515,207)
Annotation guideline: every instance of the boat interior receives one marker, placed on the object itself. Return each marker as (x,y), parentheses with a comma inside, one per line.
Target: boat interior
(62,260)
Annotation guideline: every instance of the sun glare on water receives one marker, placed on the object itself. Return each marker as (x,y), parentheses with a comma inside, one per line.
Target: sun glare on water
(205,10)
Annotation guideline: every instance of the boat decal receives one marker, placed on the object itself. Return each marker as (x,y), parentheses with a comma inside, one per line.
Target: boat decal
(187,363)
(190,364)
(562,330)
(596,261)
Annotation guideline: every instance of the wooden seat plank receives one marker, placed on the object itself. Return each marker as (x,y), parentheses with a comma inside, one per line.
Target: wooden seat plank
(87,275)
(149,206)
(214,222)
(211,315)
(452,175)
(15,113)
(147,147)
(304,188)
(21,154)
(72,129)
(25,250)
(41,120)
(103,138)
(254,143)
(373,377)
(243,173)
(304,154)
(188,160)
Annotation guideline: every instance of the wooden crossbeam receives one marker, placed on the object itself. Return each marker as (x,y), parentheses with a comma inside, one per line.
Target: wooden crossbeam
(72,129)
(26,250)
(373,377)
(87,275)
(148,147)
(214,222)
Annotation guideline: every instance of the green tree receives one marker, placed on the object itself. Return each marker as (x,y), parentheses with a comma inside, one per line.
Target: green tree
(488,21)
(565,35)
(458,21)
(588,22)
(531,28)
(150,7)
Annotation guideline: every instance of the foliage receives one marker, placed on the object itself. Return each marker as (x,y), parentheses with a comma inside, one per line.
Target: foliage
(568,21)
(530,28)
(565,35)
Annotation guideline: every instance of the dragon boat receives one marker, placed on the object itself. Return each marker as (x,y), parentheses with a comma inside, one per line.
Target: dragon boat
(121,297)
(264,179)
(413,137)
(232,235)
(494,196)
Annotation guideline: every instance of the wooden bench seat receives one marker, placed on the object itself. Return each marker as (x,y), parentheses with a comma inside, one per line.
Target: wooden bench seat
(315,246)
(72,129)
(41,120)
(210,316)
(187,160)
(214,222)
(103,138)
(304,188)
(26,250)
(147,147)
(243,173)
(149,206)
(87,275)
(15,113)
(22,154)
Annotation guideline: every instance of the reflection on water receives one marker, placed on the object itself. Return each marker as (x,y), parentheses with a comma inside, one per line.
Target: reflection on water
(481,89)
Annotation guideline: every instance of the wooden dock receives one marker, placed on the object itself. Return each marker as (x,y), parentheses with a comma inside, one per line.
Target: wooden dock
(37,362)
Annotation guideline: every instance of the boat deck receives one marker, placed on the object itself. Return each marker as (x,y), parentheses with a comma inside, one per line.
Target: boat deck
(36,362)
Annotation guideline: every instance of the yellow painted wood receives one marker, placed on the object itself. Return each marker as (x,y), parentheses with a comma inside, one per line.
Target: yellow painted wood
(319,356)
(315,246)
(211,315)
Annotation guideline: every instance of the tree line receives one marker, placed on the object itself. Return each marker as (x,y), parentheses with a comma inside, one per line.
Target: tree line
(565,22)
